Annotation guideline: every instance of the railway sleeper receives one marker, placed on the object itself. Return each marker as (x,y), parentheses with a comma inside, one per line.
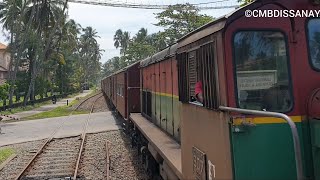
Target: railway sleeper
(58,176)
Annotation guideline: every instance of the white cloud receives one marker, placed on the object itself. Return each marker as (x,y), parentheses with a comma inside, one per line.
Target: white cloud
(106,20)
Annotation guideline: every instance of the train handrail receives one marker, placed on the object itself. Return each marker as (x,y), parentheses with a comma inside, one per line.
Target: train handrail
(294,132)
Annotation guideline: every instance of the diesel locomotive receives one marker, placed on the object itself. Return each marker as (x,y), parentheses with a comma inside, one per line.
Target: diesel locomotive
(260,114)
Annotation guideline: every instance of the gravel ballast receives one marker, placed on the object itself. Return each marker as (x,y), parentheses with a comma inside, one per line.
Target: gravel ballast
(124,160)
(24,151)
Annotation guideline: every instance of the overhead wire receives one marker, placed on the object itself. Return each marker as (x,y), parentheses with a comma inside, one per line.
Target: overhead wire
(219,4)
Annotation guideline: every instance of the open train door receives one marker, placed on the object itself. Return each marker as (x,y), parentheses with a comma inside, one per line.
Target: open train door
(258,58)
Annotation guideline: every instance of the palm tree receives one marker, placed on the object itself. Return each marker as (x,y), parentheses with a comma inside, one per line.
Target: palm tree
(46,16)
(89,36)
(125,42)
(90,54)
(11,16)
(117,38)
(10,11)
(122,40)
(141,35)
(71,29)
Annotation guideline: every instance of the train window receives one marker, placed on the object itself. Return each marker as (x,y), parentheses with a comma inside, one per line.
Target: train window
(197,79)
(314,42)
(120,89)
(262,75)
(192,75)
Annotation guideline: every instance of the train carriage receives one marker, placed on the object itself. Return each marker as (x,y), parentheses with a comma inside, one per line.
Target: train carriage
(252,72)
(160,102)
(122,89)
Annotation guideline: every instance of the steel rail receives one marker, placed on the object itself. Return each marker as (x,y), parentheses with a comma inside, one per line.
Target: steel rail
(108,160)
(87,100)
(294,132)
(49,139)
(83,137)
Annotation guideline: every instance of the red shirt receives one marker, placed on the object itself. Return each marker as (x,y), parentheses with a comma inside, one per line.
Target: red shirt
(198,87)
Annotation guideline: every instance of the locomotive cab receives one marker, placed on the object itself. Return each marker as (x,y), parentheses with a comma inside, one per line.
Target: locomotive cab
(255,64)
(274,64)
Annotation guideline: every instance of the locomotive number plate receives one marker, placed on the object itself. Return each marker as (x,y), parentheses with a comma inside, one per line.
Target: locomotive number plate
(199,163)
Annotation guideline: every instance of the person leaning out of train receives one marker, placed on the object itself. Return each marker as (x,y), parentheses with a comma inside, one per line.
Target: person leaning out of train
(199,92)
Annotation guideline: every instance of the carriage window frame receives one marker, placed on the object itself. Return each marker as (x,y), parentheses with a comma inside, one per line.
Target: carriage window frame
(288,60)
(194,52)
(209,89)
(120,90)
(308,45)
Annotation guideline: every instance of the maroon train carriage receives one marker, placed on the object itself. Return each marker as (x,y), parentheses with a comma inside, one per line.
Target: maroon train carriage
(159,80)
(122,90)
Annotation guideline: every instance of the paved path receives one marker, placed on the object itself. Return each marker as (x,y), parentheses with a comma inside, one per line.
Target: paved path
(60,102)
(32,130)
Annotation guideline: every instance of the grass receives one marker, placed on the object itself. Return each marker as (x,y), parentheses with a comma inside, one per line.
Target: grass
(27,108)
(5,153)
(62,110)
(22,98)
(73,94)
(77,101)
(57,112)
(31,107)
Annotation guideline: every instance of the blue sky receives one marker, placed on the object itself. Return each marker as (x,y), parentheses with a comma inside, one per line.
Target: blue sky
(106,20)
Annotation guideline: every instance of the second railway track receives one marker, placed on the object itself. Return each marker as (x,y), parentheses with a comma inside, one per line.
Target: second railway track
(58,158)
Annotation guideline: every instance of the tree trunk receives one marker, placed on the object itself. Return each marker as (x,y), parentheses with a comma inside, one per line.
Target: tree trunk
(11,87)
(20,49)
(32,82)
(33,96)
(13,80)
(29,91)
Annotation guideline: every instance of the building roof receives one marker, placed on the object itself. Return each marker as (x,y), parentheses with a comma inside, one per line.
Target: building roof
(3,46)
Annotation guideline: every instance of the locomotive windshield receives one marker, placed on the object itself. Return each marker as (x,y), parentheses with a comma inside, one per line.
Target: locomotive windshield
(314,42)
(262,71)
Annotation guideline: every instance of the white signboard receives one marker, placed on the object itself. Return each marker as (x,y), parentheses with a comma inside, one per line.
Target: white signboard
(255,80)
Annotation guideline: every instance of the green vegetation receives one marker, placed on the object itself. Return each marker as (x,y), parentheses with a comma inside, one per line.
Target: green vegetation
(180,19)
(31,107)
(49,51)
(176,21)
(25,108)
(37,97)
(5,154)
(57,112)
(245,2)
(78,100)
(62,110)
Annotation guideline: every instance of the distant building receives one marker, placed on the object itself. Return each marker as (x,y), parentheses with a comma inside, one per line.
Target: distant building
(5,59)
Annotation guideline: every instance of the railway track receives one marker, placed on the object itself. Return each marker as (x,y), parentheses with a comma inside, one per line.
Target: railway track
(58,158)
